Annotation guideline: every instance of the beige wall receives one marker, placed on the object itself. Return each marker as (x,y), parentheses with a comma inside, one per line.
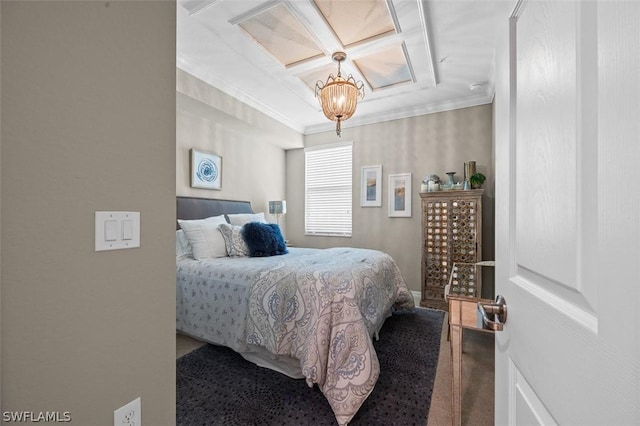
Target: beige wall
(88,123)
(424,145)
(0,212)
(250,143)
(261,163)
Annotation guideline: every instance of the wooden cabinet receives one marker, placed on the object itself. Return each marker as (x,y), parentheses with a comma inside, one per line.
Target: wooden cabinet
(451,233)
(462,314)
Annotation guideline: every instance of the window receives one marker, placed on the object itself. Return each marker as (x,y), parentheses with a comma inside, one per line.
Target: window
(328,190)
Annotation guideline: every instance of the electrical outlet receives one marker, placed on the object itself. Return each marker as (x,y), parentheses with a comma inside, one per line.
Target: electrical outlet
(128,415)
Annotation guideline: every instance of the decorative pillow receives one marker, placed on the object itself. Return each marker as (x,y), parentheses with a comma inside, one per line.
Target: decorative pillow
(233,240)
(263,239)
(183,248)
(204,237)
(240,219)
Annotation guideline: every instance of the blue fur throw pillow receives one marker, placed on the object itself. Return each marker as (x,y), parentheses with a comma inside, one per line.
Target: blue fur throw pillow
(263,239)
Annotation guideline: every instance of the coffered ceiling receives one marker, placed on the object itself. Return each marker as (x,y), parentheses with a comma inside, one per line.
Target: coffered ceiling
(414,56)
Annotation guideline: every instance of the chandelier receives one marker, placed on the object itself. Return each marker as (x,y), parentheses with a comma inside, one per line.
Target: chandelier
(338,96)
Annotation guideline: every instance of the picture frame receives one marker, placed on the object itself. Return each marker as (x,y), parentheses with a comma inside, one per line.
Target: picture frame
(400,195)
(206,170)
(371,186)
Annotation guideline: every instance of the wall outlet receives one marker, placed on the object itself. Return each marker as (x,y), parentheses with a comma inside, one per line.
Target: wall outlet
(128,415)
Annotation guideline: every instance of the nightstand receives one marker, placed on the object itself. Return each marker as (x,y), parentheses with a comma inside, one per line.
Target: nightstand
(463,313)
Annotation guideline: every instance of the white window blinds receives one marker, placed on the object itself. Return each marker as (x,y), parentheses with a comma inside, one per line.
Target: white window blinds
(328,190)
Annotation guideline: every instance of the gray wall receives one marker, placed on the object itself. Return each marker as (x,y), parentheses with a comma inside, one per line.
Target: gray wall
(88,123)
(0,211)
(251,144)
(424,145)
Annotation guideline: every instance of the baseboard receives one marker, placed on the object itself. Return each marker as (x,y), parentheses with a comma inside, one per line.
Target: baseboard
(417,296)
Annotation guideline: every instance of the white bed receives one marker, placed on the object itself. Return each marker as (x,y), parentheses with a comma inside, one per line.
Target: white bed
(308,313)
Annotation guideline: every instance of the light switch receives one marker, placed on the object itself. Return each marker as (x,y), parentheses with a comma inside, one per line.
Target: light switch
(127,229)
(117,230)
(110,230)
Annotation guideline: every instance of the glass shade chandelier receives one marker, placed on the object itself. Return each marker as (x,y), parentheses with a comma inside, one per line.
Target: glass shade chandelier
(338,96)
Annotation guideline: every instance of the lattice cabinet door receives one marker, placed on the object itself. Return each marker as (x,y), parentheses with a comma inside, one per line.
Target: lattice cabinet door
(452,232)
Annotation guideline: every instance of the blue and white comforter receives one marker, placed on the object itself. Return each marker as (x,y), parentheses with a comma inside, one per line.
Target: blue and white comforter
(319,306)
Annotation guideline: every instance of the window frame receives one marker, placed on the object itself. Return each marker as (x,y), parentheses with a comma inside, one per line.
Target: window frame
(343,222)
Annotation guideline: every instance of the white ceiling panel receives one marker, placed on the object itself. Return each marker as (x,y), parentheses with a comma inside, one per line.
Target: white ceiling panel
(414,56)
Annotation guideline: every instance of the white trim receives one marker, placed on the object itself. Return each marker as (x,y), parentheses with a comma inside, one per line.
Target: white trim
(417,297)
(422,10)
(201,7)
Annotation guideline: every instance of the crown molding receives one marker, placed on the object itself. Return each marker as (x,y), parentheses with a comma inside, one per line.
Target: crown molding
(244,97)
(467,102)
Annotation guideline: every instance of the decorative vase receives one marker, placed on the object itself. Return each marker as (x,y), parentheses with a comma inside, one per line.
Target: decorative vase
(451,179)
(469,169)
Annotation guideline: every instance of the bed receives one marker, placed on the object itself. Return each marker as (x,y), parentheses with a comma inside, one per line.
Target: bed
(308,313)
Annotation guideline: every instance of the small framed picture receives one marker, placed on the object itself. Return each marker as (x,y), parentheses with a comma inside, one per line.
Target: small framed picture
(400,195)
(371,186)
(206,170)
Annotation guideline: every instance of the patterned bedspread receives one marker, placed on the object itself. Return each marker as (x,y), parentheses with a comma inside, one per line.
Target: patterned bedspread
(319,306)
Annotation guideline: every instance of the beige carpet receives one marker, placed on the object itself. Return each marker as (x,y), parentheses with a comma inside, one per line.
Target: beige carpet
(477,378)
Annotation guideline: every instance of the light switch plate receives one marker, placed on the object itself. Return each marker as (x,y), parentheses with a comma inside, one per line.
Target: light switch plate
(117,230)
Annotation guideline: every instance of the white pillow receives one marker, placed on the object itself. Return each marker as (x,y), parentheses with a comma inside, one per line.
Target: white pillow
(204,237)
(183,248)
(239,219)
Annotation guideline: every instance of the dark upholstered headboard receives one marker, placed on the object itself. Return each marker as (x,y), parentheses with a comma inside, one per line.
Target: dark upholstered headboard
(190,208)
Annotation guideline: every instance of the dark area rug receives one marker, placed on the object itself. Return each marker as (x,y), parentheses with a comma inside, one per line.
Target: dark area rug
(216,386)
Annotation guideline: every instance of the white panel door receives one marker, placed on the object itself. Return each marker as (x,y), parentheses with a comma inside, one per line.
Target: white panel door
(568,214)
